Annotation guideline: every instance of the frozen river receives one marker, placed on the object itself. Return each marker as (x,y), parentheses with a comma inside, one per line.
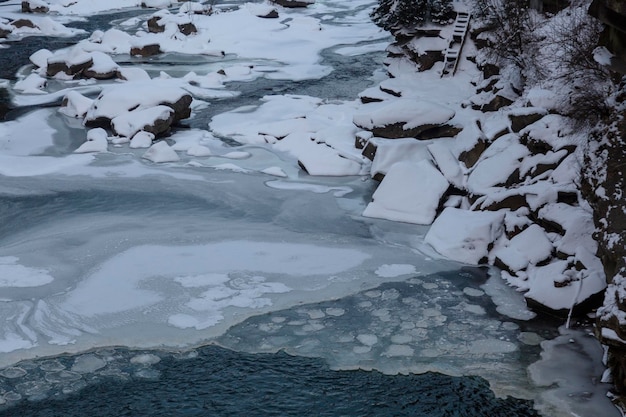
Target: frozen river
(116,268)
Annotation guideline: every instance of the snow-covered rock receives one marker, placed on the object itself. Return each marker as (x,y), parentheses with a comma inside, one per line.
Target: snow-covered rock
(410,192)
(97,141)
(156,120)
(531,246)
(75,104)
(402,118)
(138,95)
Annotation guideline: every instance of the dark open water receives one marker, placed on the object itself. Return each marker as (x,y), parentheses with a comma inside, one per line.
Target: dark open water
(220,382)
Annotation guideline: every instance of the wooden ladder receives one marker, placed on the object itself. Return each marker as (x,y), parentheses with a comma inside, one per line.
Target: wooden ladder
(453,52)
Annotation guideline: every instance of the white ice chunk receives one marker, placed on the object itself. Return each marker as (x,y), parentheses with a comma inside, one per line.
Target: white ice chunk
(161,152)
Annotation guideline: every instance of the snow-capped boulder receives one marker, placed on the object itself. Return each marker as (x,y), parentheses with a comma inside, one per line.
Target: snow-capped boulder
(40,58)
(410,192)
(498,165)
(561,286)
(470,143)
(161,152)
(464,235)
(574,223)
(156,120)
(97,141)
(402,118)
(71,63)
(531,246)
(120,99)
(102,68)
(75,104)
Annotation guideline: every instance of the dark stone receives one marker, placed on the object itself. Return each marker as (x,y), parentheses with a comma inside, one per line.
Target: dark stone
(366,99)
(397,130)
(160,126)
(181,107)
(535,146)
(23,23)
(359,143)
(443,131)
(489,70)
(369,151)
(103,122)
(187,28)
(4,33)
(495,104)
(567,197)
(379,176)
(146,50)
(518,122)
(154,26)
(470,157)
(390,91)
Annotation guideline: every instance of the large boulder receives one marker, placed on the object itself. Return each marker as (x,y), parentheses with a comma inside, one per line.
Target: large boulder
(71,63)
(156,120)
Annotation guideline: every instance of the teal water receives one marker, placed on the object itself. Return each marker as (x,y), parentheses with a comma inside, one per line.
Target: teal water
(213,381)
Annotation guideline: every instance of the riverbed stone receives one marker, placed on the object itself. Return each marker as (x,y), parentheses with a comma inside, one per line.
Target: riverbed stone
(146,50)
